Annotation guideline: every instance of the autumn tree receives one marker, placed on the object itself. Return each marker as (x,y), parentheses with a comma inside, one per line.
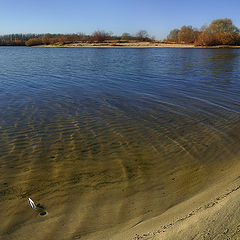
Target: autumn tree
(33,42)
(187,34)
(219,32)
(222,26)
(173,35)
(46,38)
(205,39)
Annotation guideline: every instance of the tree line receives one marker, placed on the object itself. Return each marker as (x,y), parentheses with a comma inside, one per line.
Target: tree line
(218,32)
(61,39)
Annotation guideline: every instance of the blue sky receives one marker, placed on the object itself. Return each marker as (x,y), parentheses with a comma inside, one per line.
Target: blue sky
(71,16)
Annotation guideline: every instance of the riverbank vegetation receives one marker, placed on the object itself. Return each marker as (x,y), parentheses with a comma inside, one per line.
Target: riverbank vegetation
(218,32)
(61,39)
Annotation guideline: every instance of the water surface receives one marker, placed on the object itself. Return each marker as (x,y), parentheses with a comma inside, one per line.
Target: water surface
(101,137)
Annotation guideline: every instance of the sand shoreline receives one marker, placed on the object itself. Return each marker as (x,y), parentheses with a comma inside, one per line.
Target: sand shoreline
(133,45)
(213,213)
(210,214)
(211,206)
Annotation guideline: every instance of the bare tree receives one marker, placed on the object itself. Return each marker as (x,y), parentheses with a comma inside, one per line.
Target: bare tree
(142,35)
(100,36)
(126,36)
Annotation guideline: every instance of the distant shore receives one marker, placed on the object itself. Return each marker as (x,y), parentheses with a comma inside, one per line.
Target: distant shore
(133,45)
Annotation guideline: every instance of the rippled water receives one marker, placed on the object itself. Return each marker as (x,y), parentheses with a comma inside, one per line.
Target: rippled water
(104,136)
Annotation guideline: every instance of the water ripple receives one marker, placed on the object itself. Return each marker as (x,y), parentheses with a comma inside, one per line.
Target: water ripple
(107,134)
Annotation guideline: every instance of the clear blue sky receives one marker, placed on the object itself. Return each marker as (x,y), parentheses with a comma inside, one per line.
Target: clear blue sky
(158,17)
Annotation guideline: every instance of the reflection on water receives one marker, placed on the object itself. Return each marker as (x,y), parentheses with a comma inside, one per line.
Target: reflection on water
(103,136)
(222,66)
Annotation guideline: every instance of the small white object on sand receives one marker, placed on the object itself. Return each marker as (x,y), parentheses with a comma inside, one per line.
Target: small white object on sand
(31,203)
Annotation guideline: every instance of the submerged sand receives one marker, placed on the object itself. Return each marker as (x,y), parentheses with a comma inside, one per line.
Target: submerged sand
(176,186)
(210,213)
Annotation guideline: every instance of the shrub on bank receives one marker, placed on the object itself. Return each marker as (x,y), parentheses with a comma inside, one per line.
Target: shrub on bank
(206,38)
(33,42)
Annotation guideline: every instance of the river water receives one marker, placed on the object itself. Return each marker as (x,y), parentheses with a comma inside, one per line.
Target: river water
(103,137)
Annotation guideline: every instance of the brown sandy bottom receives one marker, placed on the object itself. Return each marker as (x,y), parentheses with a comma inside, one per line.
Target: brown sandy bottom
(119,189)
(117,181)
(117,213)
(123,191)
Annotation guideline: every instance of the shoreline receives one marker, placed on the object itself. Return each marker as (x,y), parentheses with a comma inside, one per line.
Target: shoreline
(212,213)
(134,45)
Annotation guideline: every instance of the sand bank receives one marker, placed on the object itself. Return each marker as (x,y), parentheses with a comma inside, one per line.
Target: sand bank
(132,45)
